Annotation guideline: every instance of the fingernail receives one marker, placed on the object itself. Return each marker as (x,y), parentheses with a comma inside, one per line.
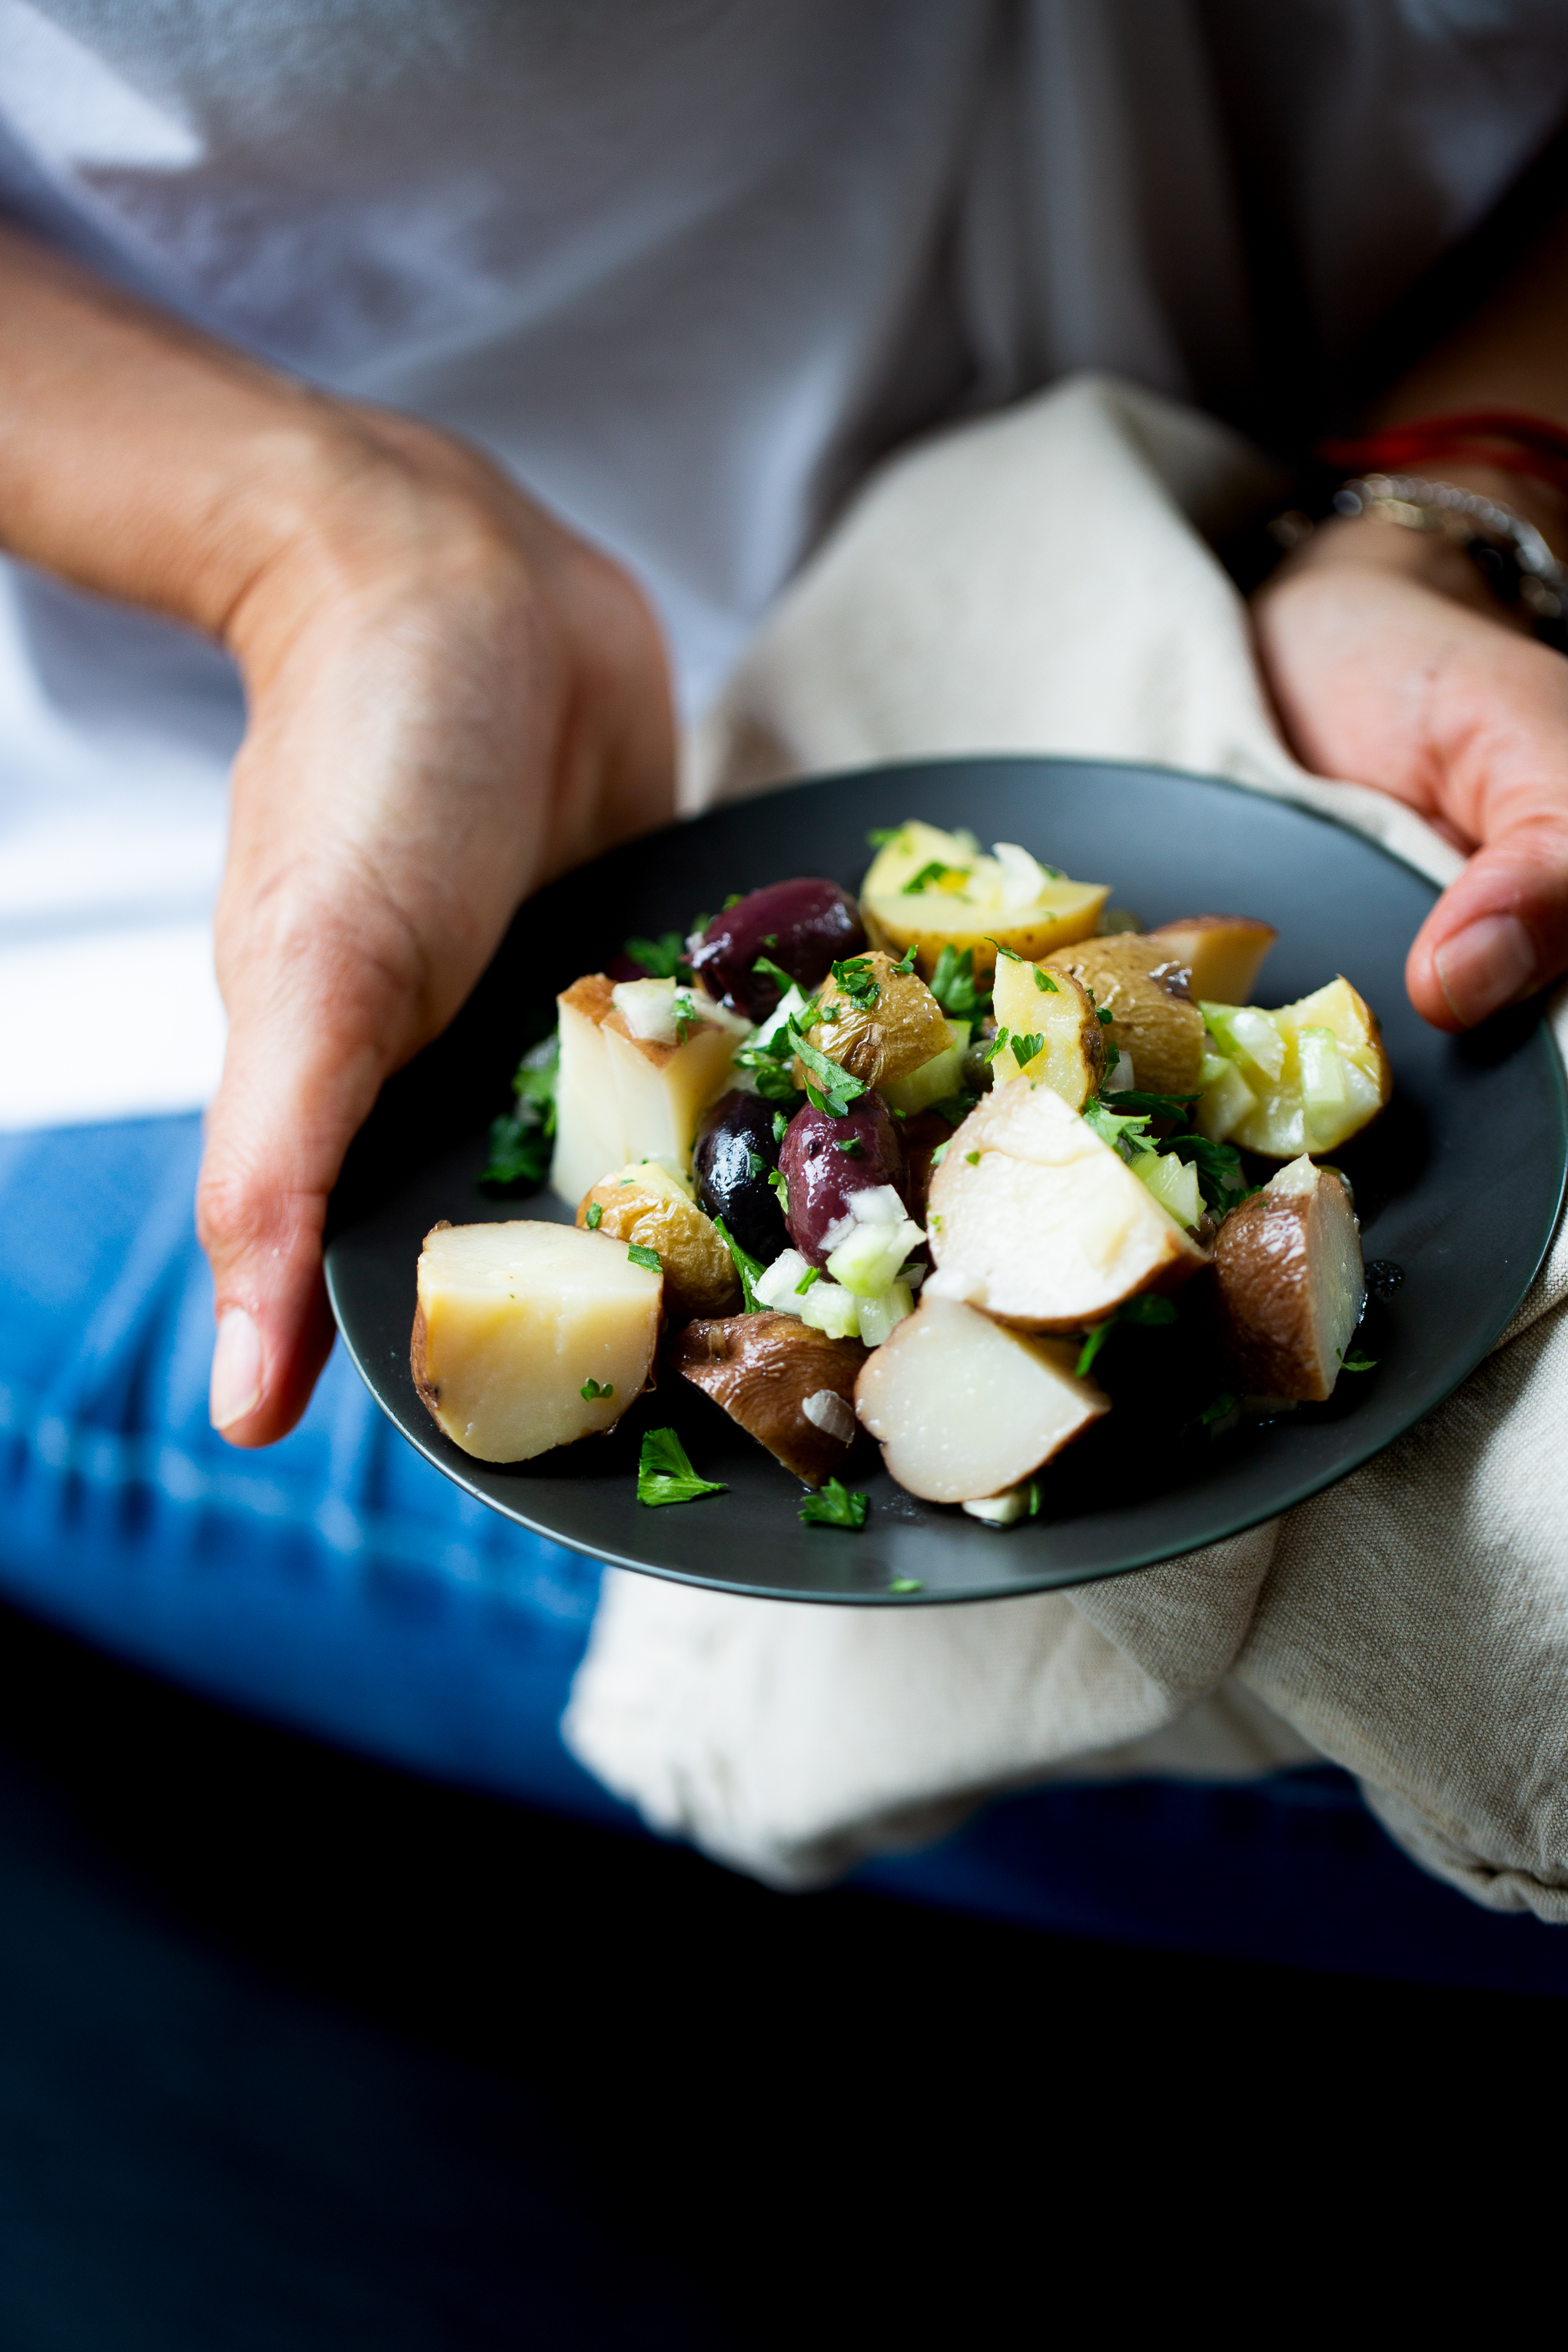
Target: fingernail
(1485,966)
(236,1369)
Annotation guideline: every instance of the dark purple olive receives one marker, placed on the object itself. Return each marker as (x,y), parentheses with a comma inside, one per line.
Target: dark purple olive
(802,927)
(826,1159)
(736,1152)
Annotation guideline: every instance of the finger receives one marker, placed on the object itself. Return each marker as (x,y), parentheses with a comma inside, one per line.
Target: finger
(308,1048)
(1500,932)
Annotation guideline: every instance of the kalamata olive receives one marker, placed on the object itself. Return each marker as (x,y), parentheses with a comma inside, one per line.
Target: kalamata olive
(736,1152)
(802,927)
(826,1159)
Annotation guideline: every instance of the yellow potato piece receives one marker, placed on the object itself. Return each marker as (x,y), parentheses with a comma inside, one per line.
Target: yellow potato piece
(620,1097)
(965,904)
(883,1042)
(643,1204)
(1071,1059)
(514,1319)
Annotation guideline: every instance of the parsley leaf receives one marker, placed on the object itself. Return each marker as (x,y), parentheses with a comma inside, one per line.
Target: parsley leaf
(1043,981)
(880,834)
(1358,1363)
(907,965)
(1112,1126)
(1027,1046)
(521,1138)
(1144,1310)
(850,1145)
(771,970)
(748,1267)
(665,1474)
(754,1163)
(812,1274)
(640,1254)
(592,1391)
(996,1045)
(661,959)
(953,985)
(1011,955)
(835,1089)
(906,1584)
(837,1505)
(780,1127)
(858,982)
(685,1019)
(595,1216)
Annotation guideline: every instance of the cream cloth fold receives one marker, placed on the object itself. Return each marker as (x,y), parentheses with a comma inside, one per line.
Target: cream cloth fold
(1039,581)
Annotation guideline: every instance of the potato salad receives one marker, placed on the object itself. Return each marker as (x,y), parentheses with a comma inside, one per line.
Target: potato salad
(915,1169)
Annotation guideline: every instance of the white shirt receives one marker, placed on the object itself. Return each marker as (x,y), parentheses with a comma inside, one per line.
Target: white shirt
(685,267)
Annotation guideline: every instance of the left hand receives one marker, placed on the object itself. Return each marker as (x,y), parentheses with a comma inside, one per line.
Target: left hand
(1391,665)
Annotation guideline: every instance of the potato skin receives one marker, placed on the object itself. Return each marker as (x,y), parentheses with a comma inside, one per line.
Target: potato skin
(904,1028)
(760,1369)
(1154,1020)
(699,1276)
(1263,1297)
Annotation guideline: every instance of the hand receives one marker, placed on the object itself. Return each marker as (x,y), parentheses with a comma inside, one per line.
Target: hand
(1392,666)
(452,699)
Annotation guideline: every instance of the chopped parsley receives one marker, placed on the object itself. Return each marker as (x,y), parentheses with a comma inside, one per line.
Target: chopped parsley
(592,1391)
(595,1216)
(903,970)
(685,1019)
(780,1184)
(1026,1045)
(521,1138)
(972,1159)
(755,1163)
(748,1267)
(996,1045)
(1043,980)
(934,877)
(781,1126)
(812,1274)
(850,1145)
(661,959)
(771,970)
(880,834)
(1144,1310)
(953,985)
(837,1505)
(1358,1363)
(641,1255)
(1104,1015)
(665,1474)
(858,982)
(1009,952)
(906,1584)
(835,1089)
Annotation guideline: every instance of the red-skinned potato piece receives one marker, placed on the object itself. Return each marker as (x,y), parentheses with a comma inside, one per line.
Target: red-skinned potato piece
(791,1387)
(1288,1284)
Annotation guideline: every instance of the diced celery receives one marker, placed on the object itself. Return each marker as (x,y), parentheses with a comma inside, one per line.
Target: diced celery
(827,1308)
(1250,1034)
(1225,1102)
(1173,1182)
(880,1318)
(933,1081)
(1325,1098)
(868,1262)
(1212,1068)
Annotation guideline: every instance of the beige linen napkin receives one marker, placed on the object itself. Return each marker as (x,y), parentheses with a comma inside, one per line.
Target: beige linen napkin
(1040,581)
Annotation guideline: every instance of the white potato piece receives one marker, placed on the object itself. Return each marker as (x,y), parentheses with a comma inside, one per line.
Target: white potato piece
(1032,1218)
(621,1097)
(514,1319)
(963,1408)
(966,899)
(1290,1283)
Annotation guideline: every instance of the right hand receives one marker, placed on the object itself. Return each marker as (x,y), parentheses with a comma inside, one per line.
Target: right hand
(452,699)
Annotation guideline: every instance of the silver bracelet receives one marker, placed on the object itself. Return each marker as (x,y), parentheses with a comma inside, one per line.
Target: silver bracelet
(1510,554)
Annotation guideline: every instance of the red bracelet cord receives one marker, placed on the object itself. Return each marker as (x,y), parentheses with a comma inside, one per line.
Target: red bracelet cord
(1508,440)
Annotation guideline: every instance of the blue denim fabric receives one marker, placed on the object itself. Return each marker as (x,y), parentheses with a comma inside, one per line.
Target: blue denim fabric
(338,1583)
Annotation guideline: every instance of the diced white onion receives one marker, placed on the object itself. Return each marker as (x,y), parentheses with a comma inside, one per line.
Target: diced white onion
(1023,878)
(878,1204)
(647,1008)
(1000,1510)
(1118,1081)
(881,1318)
(826,1411)
(776,1287)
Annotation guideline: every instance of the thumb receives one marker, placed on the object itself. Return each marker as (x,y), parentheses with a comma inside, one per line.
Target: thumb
(308,1046)
(1500,930)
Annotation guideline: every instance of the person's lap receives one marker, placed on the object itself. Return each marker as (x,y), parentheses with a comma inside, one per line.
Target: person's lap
(337,1582)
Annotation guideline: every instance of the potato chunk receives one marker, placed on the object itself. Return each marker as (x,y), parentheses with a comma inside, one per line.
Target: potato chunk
(1055,1007)
(621,1097)
(1032,1218)
(879,1024)
(515,1320)
(644,1204)
(1288,1283)
(1223,954)
(1304,1078)
(965,1408)
(929,889)
(1154,1022)
(789,1387)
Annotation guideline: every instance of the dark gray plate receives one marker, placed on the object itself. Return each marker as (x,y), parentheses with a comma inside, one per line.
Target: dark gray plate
(1459,1183)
